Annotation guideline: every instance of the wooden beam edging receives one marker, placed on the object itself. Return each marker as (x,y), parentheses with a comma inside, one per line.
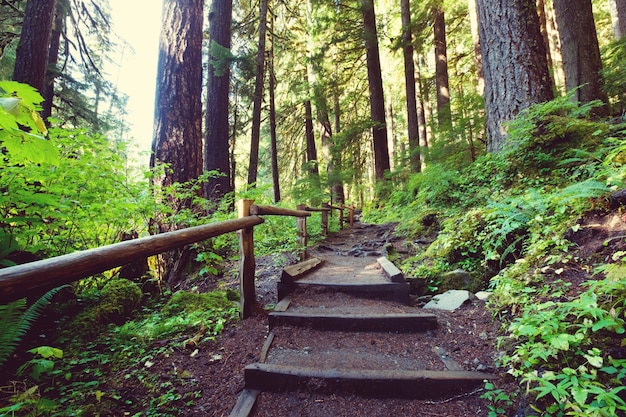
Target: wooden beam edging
(26,279)
(277,211)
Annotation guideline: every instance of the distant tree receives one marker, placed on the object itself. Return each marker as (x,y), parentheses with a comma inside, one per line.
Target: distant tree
(444,116)
(375,82)
(217,131)
(580,50)
(618,17)
(514,63)
(31,58)
(258,96)
(178,110)
(272,98)
(409,80)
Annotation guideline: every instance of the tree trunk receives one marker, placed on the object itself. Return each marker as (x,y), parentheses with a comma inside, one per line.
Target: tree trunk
(581,54)
(258,97)
(444,116)
(377,100)
(217,131)
(53,59)
(618,17)
(478,56)
(31,56)
(514,63)
(311,149)
(273,139)
(409,82)
(178,108)
(543,24)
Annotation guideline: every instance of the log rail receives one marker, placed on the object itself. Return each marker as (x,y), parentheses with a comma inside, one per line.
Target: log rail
(36,277)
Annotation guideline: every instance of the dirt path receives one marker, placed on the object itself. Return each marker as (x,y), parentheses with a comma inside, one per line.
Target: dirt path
(465,334)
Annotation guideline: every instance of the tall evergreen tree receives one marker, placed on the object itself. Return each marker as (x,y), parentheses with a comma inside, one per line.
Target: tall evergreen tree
(580,50)
(375,82)
(409,79)
(258,96)
(178,110)
(444,115)
(217,132)
(31,59)
(514,63)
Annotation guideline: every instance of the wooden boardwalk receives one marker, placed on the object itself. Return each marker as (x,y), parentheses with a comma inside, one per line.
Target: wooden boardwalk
(347,328)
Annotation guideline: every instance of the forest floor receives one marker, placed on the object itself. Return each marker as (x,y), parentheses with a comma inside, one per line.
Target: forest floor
(469,334)
(207,379)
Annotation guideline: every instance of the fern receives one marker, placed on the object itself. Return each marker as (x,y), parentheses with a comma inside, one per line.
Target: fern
(16,320)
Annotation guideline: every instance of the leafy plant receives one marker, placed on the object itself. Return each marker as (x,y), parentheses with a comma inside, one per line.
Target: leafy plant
(559,352)
(16,319)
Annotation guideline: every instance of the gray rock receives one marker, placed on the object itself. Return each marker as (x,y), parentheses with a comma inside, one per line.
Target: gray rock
(450,300)
(483,295)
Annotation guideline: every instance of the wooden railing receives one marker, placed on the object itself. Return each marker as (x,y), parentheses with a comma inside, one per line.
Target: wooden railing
(36,277)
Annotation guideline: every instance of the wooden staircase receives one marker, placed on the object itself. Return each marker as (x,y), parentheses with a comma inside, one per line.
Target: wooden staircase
(344,331)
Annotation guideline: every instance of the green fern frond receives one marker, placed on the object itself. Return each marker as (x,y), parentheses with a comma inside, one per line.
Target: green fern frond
(16,320)
(10,330)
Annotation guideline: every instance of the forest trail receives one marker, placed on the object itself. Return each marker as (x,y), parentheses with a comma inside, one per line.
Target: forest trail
(344,332)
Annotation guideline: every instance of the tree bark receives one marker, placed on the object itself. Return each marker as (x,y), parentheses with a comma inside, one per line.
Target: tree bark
(580,50)
(178,108)
(514,63)
(375,82)
(409,82)
(444,115)
(177,140)
(31,56)
(258,97)
(217,130)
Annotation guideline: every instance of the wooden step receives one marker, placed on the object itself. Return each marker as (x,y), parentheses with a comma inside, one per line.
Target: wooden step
(420,384)
(391,322)
(395,291)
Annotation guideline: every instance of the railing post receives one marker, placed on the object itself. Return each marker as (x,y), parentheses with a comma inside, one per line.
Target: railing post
(302,236)
(325,219)
(247,265)
(351,216)
(341,220)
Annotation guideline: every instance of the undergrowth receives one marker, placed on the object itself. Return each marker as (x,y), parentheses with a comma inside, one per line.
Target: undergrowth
(506,218)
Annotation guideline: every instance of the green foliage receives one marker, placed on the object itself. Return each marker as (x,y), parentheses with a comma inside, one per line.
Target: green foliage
(43,363)
(64,189)
(614,72)
(184,312)
(561,351)
(498,398)
(16,319)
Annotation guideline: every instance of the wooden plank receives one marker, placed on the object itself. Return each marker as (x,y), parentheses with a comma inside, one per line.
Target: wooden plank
(390,270)
(389,322)
(277,211)
(266,347)
(450,363)
(35,277)
(419,384)
(283,304)
(245,403)
(293,272)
